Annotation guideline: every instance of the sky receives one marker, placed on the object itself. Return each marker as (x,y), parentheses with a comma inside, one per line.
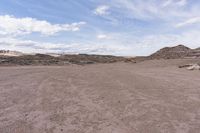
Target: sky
(111,27)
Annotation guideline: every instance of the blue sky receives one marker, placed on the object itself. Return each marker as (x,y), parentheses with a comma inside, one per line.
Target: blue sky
(116,27)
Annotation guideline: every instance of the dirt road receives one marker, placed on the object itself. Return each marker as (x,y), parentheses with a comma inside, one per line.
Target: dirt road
(148,97)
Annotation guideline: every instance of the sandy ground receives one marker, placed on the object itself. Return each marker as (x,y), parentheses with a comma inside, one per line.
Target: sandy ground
(148,97)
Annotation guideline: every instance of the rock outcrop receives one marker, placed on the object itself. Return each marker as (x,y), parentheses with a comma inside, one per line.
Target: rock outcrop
(179,51)
(176,52)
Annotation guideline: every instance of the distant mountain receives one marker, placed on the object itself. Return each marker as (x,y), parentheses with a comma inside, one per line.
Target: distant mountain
(10,53)
(17,58)
(179,51)
(198,49)
(46,59)
(195,53)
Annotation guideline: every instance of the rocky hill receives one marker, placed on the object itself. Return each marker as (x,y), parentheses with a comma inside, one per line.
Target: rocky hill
(43,59)
(179,51)
(17,58)
(176,52)
(197,48)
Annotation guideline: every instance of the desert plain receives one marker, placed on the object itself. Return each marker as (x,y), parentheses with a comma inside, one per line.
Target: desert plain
(154,96)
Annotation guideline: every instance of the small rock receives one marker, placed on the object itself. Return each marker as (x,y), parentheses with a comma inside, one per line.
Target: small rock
(194,67)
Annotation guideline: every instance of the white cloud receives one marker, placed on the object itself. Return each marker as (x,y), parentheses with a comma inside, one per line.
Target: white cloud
(120,44)
(147,44)
(167,3)
(182,2)
(28,46)
(165,13)
(174,3)
(188,22)
(10,25)
(151,43)
(166,10)
(102,10)
(102,36)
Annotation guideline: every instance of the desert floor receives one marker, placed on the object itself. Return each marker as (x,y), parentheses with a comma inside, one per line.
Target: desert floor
(147,97)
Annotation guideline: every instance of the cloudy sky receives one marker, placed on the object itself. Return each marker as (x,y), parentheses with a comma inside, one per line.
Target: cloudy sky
(117,27)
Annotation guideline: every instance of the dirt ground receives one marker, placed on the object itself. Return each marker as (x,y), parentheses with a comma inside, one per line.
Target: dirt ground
(148,97)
